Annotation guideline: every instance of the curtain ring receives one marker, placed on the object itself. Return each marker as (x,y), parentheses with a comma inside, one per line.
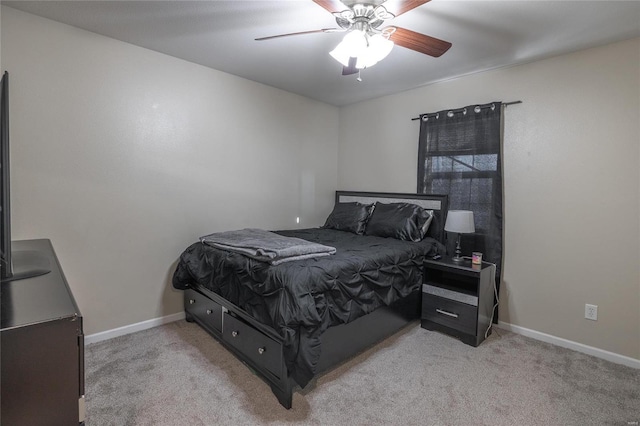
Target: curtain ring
(464,111)
(493,107)
(477,109)
(450,114)
(437,115)
(425,117)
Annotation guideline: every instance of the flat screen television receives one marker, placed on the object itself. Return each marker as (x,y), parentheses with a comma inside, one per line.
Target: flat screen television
(14,264)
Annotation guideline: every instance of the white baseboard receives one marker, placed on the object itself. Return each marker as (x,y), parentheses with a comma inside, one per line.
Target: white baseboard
(132,328)
(579,347)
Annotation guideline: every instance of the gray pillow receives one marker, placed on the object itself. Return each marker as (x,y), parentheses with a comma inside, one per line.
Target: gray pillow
(402,221)
(351,217)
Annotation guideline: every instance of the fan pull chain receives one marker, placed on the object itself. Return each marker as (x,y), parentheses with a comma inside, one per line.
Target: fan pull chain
(359,78)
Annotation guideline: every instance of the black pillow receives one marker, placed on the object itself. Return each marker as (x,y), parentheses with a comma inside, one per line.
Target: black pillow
(350,217)
(402,221)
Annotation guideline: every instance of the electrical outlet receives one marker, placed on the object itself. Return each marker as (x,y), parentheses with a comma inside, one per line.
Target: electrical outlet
(591,312)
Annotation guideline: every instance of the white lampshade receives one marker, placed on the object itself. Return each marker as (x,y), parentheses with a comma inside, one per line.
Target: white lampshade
(378,49)
(351,46)
(460,221)
(341,55)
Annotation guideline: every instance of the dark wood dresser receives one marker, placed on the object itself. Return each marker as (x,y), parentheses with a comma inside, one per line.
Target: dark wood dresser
(41,347)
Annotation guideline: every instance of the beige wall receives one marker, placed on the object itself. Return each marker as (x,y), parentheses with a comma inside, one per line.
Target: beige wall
(572,193)
(123,157)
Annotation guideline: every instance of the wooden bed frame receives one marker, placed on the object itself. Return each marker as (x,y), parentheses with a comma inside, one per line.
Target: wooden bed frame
(261,348)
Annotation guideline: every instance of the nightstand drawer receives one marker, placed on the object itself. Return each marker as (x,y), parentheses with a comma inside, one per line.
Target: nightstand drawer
(450,313)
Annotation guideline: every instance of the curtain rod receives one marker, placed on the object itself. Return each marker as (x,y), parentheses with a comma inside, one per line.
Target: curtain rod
(504,104)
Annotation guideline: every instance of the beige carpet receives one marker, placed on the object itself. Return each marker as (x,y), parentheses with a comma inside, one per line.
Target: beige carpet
(177,374)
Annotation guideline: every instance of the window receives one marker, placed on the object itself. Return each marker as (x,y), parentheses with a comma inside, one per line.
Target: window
(468,179)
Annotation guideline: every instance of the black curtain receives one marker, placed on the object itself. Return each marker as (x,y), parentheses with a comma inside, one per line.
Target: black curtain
(460,154)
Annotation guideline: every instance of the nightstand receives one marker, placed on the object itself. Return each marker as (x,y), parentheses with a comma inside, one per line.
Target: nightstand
(457,299)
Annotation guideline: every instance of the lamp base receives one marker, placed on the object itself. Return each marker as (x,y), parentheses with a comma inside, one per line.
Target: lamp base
(457,257)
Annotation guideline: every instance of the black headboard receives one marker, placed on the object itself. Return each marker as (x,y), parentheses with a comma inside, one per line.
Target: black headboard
(437,202)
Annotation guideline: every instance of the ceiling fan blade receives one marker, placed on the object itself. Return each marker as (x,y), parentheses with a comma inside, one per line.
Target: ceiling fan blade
(398,7)
(419,42)
(331,5)
(351,68)
(323,30)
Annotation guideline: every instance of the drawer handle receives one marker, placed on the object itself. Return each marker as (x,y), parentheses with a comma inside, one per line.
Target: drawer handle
(192,301)
(234,334)
(209,311)
(450,314)
(261,351)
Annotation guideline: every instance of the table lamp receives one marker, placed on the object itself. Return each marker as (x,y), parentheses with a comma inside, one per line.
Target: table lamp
(461,222)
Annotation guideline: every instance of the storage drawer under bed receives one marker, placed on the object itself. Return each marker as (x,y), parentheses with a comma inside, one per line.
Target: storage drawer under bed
(205,310)
(259,348)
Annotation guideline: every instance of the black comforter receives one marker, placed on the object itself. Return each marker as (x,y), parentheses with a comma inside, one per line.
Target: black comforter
(301,299)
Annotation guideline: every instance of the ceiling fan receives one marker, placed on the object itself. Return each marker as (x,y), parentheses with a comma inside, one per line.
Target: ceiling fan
(367,40)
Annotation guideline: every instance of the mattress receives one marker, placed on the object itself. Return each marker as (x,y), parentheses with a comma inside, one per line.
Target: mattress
(301,299)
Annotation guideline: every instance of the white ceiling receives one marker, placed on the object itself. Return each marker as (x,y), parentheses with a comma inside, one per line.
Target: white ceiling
(220,35)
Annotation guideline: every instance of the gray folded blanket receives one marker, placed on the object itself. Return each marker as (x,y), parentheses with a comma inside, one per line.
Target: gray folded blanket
(266,246)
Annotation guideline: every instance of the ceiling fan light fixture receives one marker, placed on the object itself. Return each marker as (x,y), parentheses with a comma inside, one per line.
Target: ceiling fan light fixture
(368,40)
(368,50)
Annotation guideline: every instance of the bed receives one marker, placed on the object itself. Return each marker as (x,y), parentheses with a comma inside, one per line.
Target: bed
(292,321)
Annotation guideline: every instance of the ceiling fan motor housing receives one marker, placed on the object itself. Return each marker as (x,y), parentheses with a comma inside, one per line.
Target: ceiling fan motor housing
(363,17)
